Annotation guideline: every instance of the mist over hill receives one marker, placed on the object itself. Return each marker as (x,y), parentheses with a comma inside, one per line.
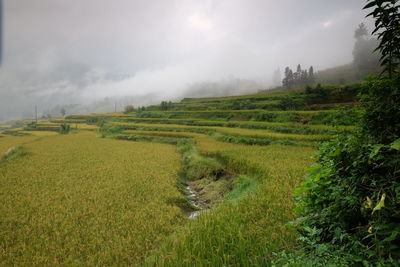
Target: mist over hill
(54,56)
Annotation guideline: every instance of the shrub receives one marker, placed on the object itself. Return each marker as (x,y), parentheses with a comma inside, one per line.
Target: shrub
(65,128)
(345,116)
(352,197)
(129,108)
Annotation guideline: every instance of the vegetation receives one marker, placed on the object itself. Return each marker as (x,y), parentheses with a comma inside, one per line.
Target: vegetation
(81,200)
(298,79)
(129,108)
(65,128)
(350,204)
(125,199)
(365,61)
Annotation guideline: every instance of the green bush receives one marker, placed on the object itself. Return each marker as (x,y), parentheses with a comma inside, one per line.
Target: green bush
(129,108)
(198,166)
(352,197)
(152,114)
(345,116)
(65,128)
(381,116)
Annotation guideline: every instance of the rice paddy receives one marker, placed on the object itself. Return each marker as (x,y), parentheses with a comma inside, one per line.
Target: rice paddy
(79,199)
(82,200)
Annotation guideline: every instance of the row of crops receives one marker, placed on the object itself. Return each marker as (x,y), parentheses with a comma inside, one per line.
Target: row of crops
(113,189)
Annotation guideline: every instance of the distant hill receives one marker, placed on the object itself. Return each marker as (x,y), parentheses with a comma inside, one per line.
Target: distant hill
(343,75)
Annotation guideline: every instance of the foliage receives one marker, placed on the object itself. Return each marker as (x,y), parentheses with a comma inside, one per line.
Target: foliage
(165,105)
(65,128)
(381,116)
(345,116)
(31,126)
(198,166)
(129,108)
(387,27)
(242,187)
(352,197)
(351,201)
(152,114)
(242,104)
(364,59)
(298,79)
(290,103)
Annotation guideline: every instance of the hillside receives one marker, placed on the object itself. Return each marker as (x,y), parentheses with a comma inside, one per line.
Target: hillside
(110,188)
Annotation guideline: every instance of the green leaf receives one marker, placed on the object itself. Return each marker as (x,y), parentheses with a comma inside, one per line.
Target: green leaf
(375,151)
(368,203)
(396,145)
(369,5)
(391,237)
(381,204)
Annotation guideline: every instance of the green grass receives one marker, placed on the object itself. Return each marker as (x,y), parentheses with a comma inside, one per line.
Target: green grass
(272,126)
(242,187)
(248,230)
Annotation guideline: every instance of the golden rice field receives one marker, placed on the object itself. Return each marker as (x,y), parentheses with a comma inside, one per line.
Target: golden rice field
(78,199)
(227,130)
(7,141)
(55,126)
(160,133)
(248,231)
(81,200)
(39,133)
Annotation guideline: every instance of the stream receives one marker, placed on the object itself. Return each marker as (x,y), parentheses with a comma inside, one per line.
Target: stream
(192,198)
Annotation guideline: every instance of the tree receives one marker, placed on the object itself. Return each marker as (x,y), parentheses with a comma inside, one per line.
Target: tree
(290,79)
(285,81)
(63,112)
(163,105)
(351,200)
(304,78)
(298,79)
(298,68)
(311,78)
(387,28)
(361,31)
(364,58)
(129,108)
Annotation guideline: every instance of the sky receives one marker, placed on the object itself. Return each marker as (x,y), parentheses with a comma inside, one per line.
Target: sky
(62,52)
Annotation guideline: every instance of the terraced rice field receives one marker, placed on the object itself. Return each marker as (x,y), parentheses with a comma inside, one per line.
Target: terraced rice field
(78,199)
(224,130)
(81,200)
(244,232)
(6,142)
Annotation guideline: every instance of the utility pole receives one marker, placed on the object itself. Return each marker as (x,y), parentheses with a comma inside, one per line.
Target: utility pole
(115,107)
(36,114)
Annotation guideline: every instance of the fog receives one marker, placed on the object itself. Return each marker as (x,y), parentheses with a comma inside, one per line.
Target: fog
(90,54)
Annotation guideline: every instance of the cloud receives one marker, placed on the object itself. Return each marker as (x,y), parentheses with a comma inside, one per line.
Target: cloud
(59,52)
(200,22)
(327,24)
